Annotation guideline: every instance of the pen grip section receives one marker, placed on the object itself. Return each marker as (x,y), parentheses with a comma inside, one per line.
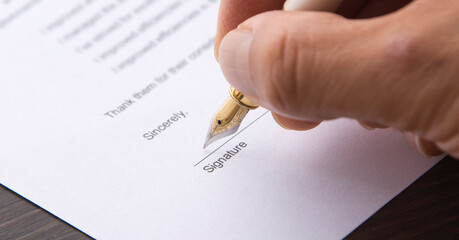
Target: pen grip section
(241,99)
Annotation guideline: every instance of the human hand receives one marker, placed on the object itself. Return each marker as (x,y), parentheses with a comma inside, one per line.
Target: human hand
(391,65)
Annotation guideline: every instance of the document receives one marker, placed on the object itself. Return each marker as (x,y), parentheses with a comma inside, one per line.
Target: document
(105,106)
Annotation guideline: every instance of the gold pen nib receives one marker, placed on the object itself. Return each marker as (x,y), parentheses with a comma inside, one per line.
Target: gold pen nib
(226,121)
(229,117)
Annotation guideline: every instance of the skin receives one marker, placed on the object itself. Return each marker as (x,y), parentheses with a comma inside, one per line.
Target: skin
(385,63)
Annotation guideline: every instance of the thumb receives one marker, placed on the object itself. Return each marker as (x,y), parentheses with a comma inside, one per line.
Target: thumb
(303,65)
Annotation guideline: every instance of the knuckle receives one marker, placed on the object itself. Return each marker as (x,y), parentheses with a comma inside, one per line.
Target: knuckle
(281,82)
(419,71)
(401,50)
(284,64)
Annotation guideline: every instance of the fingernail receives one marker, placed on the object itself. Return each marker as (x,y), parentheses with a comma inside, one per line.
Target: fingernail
(279,122)
(364,125)
(421,150)
(233,57)
(415,141)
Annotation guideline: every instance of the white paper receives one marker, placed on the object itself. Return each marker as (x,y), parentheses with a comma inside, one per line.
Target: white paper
(84,83)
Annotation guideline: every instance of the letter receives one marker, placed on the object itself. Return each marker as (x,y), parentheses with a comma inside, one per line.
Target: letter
(232,153)
(217,164)
(130,101)
(208,169)
(112,113)
(243,144)
(148,136)
(137,95)
(152,86)
(122,107)
(183,114)
(227,156)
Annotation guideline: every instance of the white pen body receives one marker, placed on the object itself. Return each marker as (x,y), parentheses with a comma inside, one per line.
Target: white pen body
(312,5)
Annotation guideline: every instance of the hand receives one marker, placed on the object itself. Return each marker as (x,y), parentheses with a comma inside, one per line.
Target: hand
(380,62)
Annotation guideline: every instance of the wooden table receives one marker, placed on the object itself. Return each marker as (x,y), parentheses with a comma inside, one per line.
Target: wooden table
(428,209)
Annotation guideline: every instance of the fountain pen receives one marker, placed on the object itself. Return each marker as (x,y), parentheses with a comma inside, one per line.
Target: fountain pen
(230,115)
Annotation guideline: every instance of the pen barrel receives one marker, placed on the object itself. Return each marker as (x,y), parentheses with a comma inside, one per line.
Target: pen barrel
(241,100)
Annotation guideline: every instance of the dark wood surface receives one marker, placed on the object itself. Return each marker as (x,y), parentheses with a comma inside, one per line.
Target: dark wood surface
(428,209)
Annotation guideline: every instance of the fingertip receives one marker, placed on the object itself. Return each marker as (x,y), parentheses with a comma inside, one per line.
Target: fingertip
(292,124)
(426,148)
(369,125)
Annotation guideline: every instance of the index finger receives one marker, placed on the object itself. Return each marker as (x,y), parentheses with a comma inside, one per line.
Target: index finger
(234,12)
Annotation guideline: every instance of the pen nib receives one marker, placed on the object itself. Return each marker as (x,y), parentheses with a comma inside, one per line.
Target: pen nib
(213,134)
(226,121)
